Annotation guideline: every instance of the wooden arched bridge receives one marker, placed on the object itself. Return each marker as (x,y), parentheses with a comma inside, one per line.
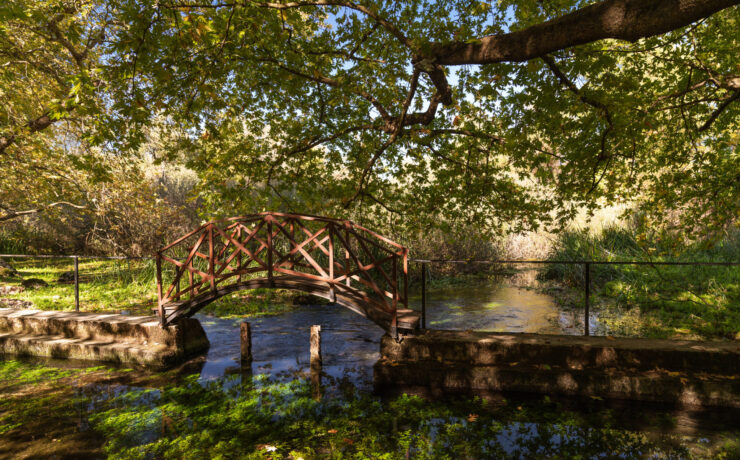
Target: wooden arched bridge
(330,258)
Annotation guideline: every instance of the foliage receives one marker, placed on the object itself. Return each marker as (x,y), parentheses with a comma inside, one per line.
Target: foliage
(667,301)
(358,111)
(16,377)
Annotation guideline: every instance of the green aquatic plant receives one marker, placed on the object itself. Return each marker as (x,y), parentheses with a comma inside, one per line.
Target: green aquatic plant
(265,419)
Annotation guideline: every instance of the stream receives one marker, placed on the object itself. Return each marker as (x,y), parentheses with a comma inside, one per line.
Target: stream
(350,343)
(350,348)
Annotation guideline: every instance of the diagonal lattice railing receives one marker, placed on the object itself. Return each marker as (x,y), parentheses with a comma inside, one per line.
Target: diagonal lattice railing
(338,259)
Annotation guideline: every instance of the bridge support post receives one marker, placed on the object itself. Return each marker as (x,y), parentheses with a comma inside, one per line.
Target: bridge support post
(245,330)
(160,307)
(269,252)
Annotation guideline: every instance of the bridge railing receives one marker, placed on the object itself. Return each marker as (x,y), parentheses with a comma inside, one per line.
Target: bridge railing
(347,258)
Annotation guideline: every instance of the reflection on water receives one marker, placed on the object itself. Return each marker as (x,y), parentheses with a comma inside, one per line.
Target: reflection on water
(280,345)
(497,308)
(350,342)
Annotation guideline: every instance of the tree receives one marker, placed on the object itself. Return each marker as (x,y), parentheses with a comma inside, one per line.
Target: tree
(516,113)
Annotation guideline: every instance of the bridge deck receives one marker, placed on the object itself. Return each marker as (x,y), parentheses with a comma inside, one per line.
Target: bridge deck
(362,305)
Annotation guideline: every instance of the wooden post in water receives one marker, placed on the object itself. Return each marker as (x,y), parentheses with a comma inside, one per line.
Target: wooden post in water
(245,330)
(316,361)
(315,346)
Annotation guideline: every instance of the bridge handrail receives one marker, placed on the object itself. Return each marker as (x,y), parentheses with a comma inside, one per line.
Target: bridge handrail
(367,250)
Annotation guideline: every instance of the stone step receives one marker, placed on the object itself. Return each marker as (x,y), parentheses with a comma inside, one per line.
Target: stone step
(408,319)
(120,328)
(438,379)
(100,337)
(571,352)
(59,346)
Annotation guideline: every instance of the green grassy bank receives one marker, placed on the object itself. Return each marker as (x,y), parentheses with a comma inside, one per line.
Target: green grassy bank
(119,285)
(653,300)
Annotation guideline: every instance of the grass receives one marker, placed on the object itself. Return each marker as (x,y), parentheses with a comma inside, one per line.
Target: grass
(119,285)
(695,302)
(105,285)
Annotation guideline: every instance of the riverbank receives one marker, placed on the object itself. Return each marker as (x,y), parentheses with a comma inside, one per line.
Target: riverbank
(695,302)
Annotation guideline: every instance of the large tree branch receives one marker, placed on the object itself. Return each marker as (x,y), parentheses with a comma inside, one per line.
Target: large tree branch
(318,78)
(565,81)
(14,214)
(37,124)
(396,131)
(719,110)
(620,19)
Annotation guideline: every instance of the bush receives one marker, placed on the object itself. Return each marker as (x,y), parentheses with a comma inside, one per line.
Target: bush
(612,244)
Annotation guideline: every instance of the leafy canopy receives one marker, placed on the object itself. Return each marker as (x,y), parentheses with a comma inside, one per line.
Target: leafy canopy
(422,112)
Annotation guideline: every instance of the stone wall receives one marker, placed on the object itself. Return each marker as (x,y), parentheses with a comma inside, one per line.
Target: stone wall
(683,372)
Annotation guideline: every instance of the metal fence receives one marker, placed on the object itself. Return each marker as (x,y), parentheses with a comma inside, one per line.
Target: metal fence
(423,263)
(76,266)
(586,264)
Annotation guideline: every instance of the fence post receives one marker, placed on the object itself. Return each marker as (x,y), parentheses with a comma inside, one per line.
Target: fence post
(211,261)
(269,251)
(587,300)
(332,294)
(423,295)
(160,308)
(77,283)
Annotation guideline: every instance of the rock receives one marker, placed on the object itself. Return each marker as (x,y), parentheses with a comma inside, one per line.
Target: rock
(306,299)
(16,304)
(34,283)
(67,277)
(6,269)
(11,290)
